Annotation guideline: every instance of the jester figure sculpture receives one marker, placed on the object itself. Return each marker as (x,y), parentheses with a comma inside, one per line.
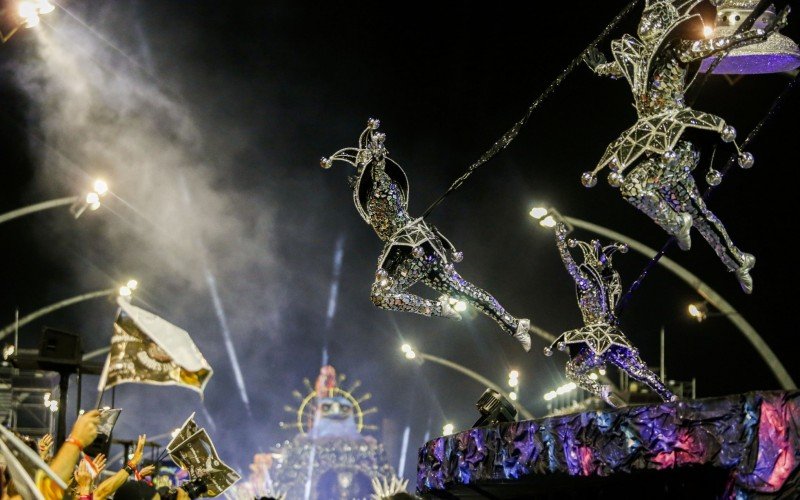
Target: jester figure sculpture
(656,66)
(598,287)
(415,251)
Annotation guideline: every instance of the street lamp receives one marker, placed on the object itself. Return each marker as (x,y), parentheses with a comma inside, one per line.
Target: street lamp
(513,382)
(698,311)
(723,307)
(92,199)
(78,204)
(124,291)
(410,353)
(28,13)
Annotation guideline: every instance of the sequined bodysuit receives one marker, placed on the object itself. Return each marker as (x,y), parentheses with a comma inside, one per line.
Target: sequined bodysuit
(414,250)
(661,185)
(598,288)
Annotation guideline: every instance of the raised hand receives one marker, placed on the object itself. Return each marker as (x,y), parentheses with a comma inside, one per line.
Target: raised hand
(83,478)
(147,471)
(45,444)
(99,462)
(85,428)
(139,451)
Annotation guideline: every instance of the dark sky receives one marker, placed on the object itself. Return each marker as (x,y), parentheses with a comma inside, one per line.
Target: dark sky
(208,120)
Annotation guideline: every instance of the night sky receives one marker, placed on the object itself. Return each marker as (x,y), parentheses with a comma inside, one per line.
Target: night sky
(208,119)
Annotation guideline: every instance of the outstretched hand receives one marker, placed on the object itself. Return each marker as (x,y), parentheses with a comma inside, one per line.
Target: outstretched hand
(139,452)
(83,478)
(593,57)
(99,462)
(147,471)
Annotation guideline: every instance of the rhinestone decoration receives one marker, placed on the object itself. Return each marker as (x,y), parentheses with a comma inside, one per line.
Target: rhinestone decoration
(660,182)
(414,251)
(598,287)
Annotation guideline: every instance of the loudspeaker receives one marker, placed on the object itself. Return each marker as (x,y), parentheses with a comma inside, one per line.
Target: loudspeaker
(59,350)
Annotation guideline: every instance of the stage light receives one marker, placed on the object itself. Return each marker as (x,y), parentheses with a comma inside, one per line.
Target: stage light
(548,221)
(698,311)
(100,187)
(513,374)
(593,376)
(132,284)
(550,395)
(460,306)
(494,409)
(512,395)
(601,371)
(8,351)
(538,212)
(411,355)
(448,429)
(708,31)
(125,292)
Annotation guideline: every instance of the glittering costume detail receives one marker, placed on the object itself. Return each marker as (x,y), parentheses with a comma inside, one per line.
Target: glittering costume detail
(415,251)
(664,192)
(600,341)
(656,65)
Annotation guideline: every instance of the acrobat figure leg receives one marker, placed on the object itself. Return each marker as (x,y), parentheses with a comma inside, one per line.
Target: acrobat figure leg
(642,188)
(444,278)
(578,368)
(629,360)
(680,188)
(390,289)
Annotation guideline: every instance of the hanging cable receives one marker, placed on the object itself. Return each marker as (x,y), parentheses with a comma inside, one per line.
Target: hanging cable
(511,134)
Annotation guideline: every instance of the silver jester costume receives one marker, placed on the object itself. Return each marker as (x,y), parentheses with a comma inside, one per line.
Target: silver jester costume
(414,250)
(660,184)
(600,341)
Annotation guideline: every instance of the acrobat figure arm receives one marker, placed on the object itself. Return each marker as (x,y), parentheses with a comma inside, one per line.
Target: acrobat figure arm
(693,50)
(597,63)
(566,257)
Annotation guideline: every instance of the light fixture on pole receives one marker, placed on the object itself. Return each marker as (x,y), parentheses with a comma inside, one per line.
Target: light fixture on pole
(513,382)
(78,204)
(698,311)
(28,15)
(549,217)
(125,291)
(92,199)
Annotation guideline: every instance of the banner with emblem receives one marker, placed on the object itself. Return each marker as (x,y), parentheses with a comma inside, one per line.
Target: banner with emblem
(147,349)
